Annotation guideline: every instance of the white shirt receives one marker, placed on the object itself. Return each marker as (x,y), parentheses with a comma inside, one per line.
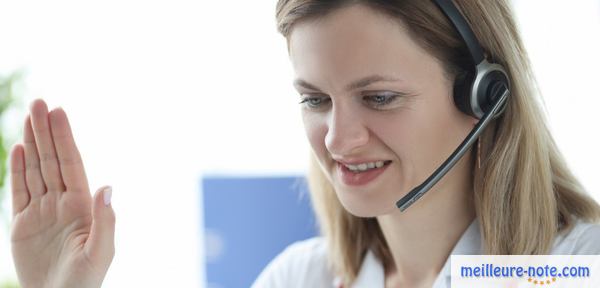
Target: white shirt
(304,263)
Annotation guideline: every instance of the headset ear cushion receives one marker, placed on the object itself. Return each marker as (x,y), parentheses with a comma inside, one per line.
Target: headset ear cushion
(491,87)
(462,92)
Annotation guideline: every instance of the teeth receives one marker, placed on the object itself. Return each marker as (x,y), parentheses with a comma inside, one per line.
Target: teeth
(365,166)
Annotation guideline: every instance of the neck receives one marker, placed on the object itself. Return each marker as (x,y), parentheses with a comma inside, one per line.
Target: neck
(422,237)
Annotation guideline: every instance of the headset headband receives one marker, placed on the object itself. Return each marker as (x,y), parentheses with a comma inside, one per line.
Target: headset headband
(463,29)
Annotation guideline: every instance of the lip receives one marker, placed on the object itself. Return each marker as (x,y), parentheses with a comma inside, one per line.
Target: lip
(358,161)
(358,179)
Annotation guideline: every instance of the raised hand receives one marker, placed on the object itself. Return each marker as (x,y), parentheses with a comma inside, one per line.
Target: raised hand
(61,237)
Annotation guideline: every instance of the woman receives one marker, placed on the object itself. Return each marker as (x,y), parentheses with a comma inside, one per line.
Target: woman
(513,194)
(373,141)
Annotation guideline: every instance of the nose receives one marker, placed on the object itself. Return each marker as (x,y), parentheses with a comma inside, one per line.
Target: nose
(346,133)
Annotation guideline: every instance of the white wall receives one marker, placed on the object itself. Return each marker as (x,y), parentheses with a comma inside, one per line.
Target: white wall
(563,39)
(161,91)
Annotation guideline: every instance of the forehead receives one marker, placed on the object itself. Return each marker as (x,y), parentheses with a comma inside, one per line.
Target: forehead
(354,41)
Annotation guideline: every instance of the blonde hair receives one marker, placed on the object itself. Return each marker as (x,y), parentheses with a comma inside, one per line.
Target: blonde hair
(524,193)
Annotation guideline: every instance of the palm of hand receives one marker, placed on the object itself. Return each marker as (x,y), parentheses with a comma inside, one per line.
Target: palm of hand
(61,237)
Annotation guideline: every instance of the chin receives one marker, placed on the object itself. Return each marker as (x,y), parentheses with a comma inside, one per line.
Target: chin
(365,205)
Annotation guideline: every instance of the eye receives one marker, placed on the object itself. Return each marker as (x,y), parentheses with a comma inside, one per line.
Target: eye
(314,102)
(380,99)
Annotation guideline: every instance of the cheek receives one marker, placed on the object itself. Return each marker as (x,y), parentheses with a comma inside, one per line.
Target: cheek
(397,132)
(316,130)
(427,135)
(414,136)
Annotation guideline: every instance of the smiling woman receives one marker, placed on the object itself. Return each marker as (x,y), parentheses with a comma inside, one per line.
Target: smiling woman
(383,87)
(372,141)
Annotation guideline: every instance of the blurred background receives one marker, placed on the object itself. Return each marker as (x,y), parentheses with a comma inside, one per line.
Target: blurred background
(178,104)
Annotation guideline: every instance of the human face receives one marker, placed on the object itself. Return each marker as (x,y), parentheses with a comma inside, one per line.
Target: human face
(372,94)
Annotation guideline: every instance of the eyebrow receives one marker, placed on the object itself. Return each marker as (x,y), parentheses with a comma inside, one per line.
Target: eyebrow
(360,83)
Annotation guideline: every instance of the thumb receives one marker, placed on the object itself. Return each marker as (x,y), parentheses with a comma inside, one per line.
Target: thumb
(101,242)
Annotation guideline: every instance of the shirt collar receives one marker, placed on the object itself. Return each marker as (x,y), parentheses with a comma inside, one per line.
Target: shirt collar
(468,244)
(371,270)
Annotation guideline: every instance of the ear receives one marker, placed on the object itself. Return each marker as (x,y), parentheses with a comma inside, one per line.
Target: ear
(474,121)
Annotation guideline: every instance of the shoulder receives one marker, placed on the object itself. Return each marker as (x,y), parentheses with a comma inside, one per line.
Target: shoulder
(302,264)
(581,239)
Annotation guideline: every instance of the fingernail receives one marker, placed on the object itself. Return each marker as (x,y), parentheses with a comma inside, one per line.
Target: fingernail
(107,194)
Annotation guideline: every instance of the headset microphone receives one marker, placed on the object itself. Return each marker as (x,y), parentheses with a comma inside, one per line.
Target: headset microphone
(418,191)
(481,93)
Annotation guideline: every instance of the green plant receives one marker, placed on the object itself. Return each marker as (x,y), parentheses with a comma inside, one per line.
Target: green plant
(7,98)
(10,284)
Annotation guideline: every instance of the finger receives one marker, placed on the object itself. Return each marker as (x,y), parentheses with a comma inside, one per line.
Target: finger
(45,146)
(33,175)
(69,159)
(20,195)
(101,242)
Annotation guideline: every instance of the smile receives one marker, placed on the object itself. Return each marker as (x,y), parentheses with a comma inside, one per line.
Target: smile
(361,174)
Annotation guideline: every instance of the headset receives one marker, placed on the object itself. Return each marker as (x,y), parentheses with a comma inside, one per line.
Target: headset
(482,92)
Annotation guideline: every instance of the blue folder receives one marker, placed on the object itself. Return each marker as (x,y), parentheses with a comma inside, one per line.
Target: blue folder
(248,221)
